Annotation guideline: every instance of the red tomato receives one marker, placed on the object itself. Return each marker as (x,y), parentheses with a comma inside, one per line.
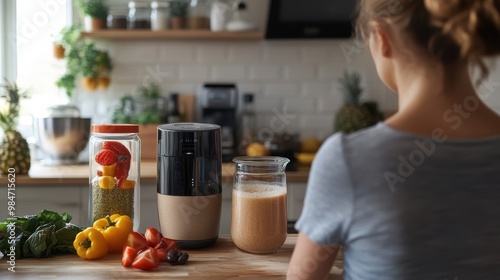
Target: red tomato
(147,260)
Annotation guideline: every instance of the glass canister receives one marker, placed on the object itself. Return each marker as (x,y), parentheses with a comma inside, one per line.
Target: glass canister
(117,19)
(159,15)
(199,14)
(115,152)
(139,15)
(259,219)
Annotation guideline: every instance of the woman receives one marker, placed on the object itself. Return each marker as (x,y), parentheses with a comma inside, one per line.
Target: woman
(415,197)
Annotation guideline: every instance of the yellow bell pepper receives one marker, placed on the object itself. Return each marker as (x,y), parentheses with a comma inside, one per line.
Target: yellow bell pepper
(115,230)
(90,244)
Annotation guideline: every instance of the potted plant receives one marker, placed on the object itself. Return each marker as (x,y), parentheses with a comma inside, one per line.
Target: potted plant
(65,39)
(104,68)
(178,14)
(86,60)
(95,13)
(145,110)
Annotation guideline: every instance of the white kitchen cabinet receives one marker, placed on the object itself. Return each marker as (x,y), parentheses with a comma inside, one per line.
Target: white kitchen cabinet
(295,200)
(149,208)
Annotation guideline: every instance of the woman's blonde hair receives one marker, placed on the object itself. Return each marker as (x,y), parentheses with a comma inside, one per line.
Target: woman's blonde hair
(449,30)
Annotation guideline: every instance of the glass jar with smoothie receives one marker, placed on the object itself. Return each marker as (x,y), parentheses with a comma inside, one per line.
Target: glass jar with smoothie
(259,219)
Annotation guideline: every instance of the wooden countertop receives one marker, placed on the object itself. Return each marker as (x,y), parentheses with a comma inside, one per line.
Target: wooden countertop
(222,261)
(79,175)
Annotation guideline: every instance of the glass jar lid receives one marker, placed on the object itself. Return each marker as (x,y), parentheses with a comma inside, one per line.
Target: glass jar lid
(138,5)
(159,5)
(115,128)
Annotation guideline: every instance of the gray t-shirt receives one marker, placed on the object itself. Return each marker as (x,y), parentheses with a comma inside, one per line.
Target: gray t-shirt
(407,207)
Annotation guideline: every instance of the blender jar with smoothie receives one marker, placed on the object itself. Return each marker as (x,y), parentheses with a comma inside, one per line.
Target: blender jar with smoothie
(259,220)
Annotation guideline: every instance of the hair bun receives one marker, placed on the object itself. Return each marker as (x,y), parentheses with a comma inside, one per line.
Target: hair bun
(442,9)
(474,25)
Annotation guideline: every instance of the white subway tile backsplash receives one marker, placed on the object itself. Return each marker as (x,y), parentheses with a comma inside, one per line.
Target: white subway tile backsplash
(144,74)
(282,89)
(183,88)
(300,72)
(229,73)
(194,72)
(323,122)
(330,72)
(245,52)
(265,104)
(281,53)
(212,53)
(300,105)
(265,72)
(329,104)
(142,52)
(255,88)
(178,52)
(317,89)
(316,54)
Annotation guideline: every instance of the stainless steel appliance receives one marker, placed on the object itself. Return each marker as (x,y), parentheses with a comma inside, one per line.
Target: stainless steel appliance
(62,139)
(189,183)
(218,104)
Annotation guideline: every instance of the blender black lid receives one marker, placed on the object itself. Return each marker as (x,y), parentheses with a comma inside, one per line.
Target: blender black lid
(189,140)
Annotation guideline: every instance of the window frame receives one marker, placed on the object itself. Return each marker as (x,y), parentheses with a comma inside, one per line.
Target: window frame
(8,40)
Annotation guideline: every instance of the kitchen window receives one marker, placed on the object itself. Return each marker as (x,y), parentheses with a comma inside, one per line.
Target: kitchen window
(28,29)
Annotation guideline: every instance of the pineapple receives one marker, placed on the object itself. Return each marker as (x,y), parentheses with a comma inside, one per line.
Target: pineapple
(14,150)
(353,115)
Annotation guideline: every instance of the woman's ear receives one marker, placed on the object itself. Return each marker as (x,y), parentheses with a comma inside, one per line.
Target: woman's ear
(380,40)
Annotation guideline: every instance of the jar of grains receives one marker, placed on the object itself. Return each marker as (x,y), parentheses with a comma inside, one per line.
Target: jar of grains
(115,153)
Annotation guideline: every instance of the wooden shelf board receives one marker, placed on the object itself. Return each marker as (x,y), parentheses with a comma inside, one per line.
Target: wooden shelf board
(174,34)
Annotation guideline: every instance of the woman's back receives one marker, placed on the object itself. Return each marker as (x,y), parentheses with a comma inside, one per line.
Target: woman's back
(408,207)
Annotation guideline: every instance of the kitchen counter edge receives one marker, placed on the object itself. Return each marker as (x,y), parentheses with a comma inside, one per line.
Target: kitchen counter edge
(65,175)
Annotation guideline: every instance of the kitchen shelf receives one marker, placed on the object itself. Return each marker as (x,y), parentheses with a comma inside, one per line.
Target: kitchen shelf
(174,34)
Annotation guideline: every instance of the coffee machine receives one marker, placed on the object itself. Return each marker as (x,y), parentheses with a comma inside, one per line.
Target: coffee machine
(218,104)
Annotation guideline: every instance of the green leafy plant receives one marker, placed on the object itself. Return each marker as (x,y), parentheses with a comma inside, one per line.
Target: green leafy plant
(141,110)
(67,82)
(179,8)
(38,236)
(82,58)
(69,35)
(93,8)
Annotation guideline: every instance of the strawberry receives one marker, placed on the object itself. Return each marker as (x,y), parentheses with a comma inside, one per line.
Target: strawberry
(167,244)
(118,148)
(128,256)
(125,184)
(106,157)
(153,236)
(162,254)
(137,241)
(147,260)
(123,165)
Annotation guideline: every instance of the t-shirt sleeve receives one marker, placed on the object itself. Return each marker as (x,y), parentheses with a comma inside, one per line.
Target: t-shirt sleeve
(328,203)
